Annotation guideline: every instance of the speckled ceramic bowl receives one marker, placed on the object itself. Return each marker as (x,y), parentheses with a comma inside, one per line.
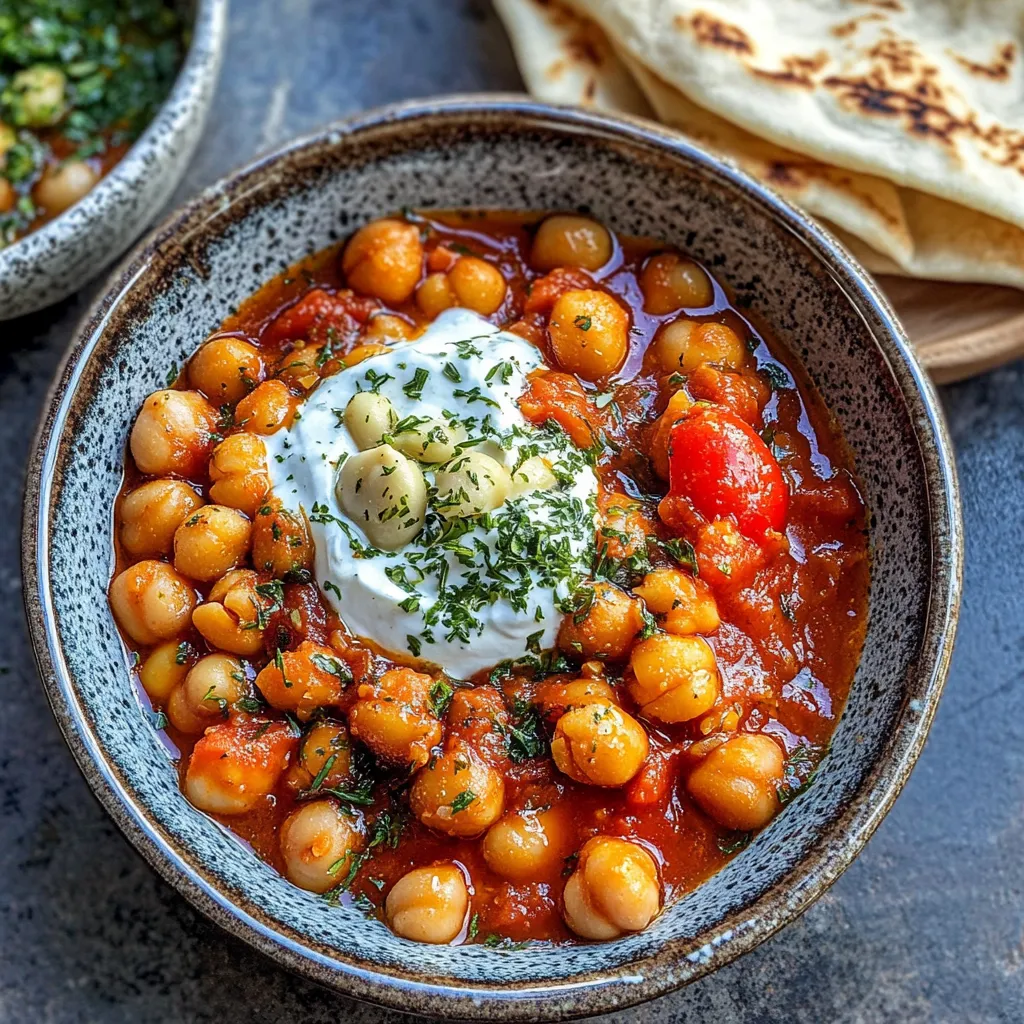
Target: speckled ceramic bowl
(498,152)
(60,257)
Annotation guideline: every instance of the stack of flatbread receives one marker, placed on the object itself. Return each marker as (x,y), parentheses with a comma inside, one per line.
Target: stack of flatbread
(899,123)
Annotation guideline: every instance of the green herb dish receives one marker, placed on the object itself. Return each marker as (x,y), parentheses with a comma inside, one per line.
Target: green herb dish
(83,85)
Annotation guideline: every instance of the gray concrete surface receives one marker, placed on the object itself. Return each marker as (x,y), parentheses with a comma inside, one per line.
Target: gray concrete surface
(928,924)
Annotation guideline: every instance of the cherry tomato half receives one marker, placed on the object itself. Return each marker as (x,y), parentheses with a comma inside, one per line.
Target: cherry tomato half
(721,466)
(317,313)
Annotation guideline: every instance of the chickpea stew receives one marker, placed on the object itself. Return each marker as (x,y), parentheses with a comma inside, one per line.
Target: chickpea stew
(493,574)
(79,82)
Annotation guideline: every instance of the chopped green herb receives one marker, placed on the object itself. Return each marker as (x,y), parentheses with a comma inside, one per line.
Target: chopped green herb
(334,667)
(526,739)
(360,796)
(325,770)
(414,388)
(462,801)
(734,842)
(441,694)
(279,665)
(680,551)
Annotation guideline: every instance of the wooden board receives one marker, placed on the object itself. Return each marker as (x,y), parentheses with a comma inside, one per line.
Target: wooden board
(959,329)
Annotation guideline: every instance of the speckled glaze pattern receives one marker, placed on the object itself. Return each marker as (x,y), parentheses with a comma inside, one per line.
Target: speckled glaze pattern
(60,257)
(497,152)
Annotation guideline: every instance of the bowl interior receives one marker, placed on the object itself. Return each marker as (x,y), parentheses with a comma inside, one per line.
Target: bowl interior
(179,286)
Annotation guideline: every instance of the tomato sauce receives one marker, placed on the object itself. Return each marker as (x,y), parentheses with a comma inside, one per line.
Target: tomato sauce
(793,622)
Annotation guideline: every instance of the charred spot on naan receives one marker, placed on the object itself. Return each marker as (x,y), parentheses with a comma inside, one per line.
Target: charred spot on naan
(795,70)
(584,45)
(712,31)
(998,70)
(848,28)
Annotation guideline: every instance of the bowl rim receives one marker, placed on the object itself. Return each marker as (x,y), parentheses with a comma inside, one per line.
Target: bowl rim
(679,962)
(171,119)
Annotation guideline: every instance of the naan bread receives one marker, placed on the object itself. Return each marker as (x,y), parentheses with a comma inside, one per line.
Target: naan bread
(927,94)
(890,229)
(567,59)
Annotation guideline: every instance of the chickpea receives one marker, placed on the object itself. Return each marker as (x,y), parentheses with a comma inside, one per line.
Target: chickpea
(535,474)
(269,408)
(614,889)
(226,369)
(8,139)
(317,843)
(687,604)
(301,367)
(599,744)
(383,492)
(670,282)
(388,327)
(363,352)
(678,405)
(604,627)
(326,748)
(737,783)
(672,344)
(394,717)
(624,527)
(477,285)
(432,441)
(152,512)
(151,602)
(235,764)
(675,677)
(557,698)
(528,845)
(162,671)
(384,259)
(238,473)
(435,295)
(368,417)
(310,677)
(230,616)
(429,904)
(212,685)
(61,187)
(37,96)
(458,794)
(281,542)
(589,333)
(470,485)
(211,541)
(172,434)
(564,240)
(683,345)
(477,718)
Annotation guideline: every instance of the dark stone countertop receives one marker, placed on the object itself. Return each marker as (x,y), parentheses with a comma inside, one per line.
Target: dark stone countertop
(927,925)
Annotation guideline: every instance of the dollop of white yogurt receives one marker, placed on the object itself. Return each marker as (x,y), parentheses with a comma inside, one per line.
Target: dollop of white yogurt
(465,594)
